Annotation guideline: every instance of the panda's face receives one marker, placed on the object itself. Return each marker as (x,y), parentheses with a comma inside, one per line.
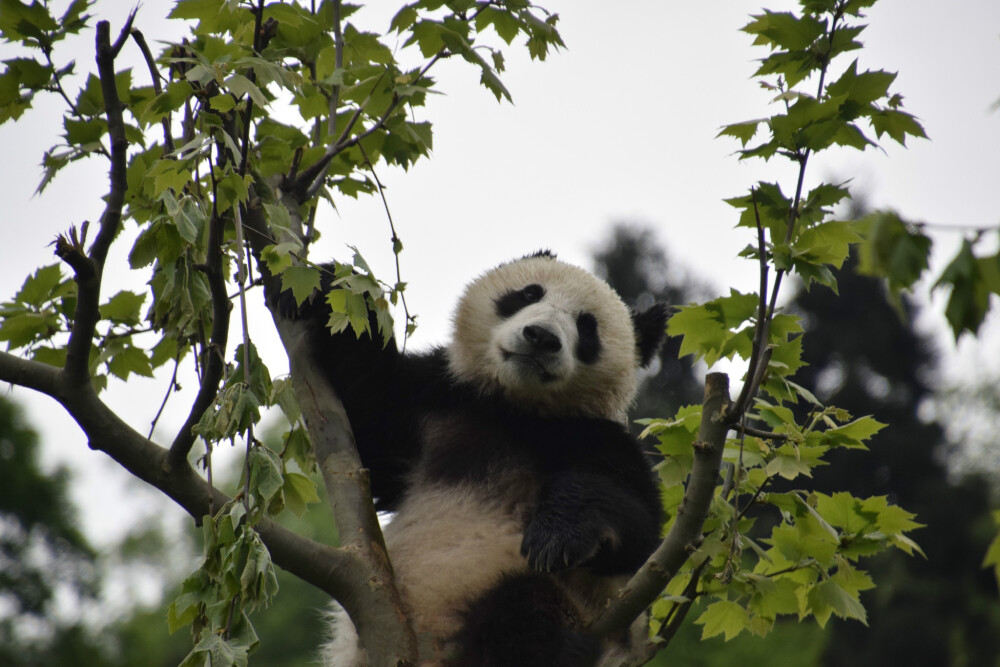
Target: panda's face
(542,337)
(548,336)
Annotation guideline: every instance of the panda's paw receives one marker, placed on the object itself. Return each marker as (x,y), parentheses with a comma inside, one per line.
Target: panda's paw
(550,547)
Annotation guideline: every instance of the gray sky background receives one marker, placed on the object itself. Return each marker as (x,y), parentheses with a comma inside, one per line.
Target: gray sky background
(618,126)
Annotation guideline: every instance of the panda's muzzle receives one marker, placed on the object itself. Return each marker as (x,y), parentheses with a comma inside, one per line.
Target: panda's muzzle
(541,340)
(537,346)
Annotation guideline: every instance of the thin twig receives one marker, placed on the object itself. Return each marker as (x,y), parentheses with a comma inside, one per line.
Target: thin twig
(213,353)
(166,397)
(758,433)
(140,39)
(761,333)
(395,245)
(316,173)
(338,64)
(57,83)
(673,622)
(241,249)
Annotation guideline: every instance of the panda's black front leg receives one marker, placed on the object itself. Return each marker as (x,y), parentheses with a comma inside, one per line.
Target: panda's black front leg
(583,519)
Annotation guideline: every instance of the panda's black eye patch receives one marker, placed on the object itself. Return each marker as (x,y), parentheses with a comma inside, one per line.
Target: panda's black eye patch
(513,301)
(588,342)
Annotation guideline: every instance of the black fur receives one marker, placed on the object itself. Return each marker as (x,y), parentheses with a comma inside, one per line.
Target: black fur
(523,622)
(588,344)
(649,326)
(511,302)
(593,502)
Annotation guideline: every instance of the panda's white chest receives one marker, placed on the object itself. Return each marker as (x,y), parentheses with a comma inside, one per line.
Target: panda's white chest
(448,545)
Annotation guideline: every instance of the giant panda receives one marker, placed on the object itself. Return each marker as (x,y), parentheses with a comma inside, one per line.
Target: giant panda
(520,500)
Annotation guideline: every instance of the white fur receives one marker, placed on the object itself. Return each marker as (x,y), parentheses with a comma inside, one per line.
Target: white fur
(480,338)
(448,546)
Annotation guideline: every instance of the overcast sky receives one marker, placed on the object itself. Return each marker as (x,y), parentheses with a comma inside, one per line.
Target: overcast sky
(618,126)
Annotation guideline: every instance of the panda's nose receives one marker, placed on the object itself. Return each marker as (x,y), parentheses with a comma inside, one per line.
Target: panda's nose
(541,339)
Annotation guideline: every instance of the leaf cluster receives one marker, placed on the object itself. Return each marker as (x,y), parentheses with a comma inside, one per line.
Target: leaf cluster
(235,577)
(899,251)
(771,553)
(265,113)
(771,545)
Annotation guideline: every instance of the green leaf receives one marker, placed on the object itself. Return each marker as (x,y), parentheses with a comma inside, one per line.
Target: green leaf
(861,89)
(676,442)
(403,19)
(790,461)
(829,597)
(85,133)
(123,308)
(969,300)
(722,618)
(222,103)
(349,308)
(283,395)
(773,596)
(505,23)
(185,214)
(785,30)
(891,519)
(266,479)
(299,449)
(240,85)
(130,360)
(302,280)
(743,131)
(196,592)
(893,250)
(232,189)
(845,512)
(24,328)
(40,286)
(897,124)
(708,329)
(299,491)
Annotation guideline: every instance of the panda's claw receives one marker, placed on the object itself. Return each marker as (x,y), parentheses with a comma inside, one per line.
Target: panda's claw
(547,550)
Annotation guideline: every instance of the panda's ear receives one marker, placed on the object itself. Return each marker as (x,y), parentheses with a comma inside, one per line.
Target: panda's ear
(650,330)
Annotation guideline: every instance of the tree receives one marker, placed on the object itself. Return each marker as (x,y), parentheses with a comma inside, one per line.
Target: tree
(41,549)
(224,198)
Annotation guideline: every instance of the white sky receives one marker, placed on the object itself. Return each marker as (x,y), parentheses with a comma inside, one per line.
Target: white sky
(619,126)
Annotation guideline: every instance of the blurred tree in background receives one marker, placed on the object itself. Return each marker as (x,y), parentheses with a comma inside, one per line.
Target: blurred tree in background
(43,556)
(633,261)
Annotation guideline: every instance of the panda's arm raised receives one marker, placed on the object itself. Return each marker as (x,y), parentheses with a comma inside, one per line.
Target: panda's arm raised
(599,506)
(382,390)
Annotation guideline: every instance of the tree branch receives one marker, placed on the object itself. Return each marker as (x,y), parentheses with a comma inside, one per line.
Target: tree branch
(371,599)
(320,565)
(685,534)
(89,270)
(214,363)
(373,602)
(761,331)
(35,375)
(140,39)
